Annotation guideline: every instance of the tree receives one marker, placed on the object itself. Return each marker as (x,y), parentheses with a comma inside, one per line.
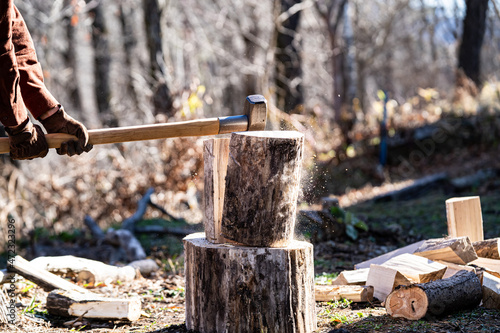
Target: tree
(289,95)
(162,99)
(474,27)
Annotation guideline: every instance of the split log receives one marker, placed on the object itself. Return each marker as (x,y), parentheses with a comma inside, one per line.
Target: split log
(491,291)
(89,305)
(354,293)
(249,289)
(488,248)
(41,277)
(452,269)
(84,270)
(383,258)
(355,277)
(459,292)
(465,218)
(126,241)
(417,269)
(215,156)
(455,250)
(491,266)
(262,187)
(384,280)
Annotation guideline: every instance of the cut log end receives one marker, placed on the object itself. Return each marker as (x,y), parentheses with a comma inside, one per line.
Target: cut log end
(410,303)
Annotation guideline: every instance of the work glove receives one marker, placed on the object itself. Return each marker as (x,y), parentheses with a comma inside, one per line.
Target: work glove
(27,141)
(60,122)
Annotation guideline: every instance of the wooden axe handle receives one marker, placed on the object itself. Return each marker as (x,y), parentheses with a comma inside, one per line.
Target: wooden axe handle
(201,127)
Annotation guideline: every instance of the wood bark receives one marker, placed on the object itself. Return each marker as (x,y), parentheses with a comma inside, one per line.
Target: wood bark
(328,293)
(487,248)
(455,250)
(249,289)
(433,299)
(465,218)
(262,187)
(89,305)
(215,156)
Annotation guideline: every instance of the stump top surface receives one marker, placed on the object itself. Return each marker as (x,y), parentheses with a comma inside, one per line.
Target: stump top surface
(199,239)
(272,134)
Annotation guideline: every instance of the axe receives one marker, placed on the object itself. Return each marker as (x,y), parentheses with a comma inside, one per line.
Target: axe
(254,119)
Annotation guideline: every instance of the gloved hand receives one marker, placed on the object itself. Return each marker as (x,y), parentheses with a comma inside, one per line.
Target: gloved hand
(61,122)
(27,141)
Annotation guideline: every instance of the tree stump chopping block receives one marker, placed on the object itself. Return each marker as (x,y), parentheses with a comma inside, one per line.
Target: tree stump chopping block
(249,289)
(262,187)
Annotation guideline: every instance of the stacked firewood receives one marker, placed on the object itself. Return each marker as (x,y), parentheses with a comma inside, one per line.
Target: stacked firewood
(433,277)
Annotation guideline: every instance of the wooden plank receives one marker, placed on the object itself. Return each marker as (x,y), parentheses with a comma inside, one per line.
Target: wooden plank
(89,305)
(455,250)
(465,218)
(384,280)
(383,258)
(355,277)
(327,293)
(491,291)
(488,248)
(215,156)
(417,269)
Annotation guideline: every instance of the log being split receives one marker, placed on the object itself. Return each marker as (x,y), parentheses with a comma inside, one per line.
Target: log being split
(262,187)
(433,299)
(249,289)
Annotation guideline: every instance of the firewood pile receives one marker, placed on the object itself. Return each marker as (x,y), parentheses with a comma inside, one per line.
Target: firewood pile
(433,277)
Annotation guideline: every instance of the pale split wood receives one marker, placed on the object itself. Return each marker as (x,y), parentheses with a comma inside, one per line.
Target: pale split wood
(436,298)
(89,305)
(215,156)
(353,277)
(452,269)
(85,270)
(354,293)
(491,291)
(491,266)
(383,258)
(488,248)
(416,269)
(384,280)
(464,218)
(458,250)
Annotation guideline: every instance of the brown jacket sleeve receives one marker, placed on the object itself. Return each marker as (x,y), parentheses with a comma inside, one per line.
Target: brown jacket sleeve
(36,96)
(12,110)
(20,71)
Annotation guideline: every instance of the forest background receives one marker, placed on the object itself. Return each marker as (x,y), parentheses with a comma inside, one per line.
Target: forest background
(328,68)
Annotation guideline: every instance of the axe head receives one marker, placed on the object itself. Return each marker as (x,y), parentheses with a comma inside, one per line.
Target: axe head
(256,111)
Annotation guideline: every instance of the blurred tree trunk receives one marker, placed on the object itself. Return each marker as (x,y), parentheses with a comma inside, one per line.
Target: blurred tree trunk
(102,63)
(70,59)
(344,91)
(474,27)
(162,99)
(289,96)
(129,43)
